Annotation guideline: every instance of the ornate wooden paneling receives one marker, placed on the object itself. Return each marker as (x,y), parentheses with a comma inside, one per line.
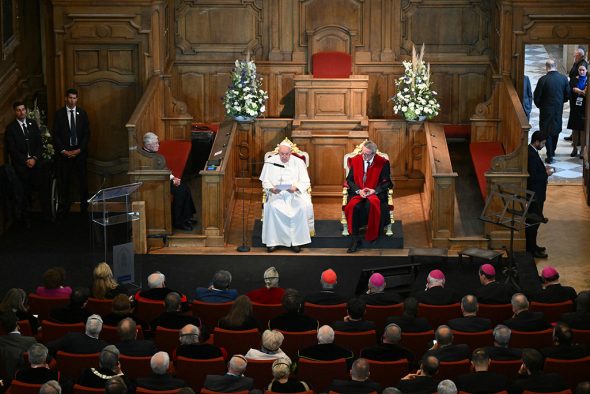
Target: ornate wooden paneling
(391,138)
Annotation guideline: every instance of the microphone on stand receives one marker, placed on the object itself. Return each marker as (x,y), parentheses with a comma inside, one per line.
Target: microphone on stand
(275,164)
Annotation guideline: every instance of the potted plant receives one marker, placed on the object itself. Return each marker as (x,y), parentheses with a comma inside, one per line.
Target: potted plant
(244,99)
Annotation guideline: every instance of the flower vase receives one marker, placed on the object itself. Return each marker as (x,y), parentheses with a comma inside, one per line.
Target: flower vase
(244,119)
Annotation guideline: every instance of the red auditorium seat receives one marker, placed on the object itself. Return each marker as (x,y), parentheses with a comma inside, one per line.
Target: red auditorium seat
(18,387)
(298,340)
(439,314)
(452,369)
(52,331)
(572,371)
(380,313)
(325,314)
(42,306)
(210,312)
(497,313)
(552,311)
(532,339)
(194,371)
(388,373)
(356,341)
(331,65)
(474,339)
(135,367)
(236,342)
(98,306)
(319,374)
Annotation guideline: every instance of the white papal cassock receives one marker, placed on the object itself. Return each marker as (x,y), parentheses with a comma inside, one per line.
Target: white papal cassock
(288,217)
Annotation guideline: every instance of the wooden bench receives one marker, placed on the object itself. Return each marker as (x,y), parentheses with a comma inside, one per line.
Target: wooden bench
(457,130)
(482,154)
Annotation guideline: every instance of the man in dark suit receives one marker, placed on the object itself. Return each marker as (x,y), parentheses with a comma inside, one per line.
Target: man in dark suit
(532,378)
(481,380)
(219,290)
(326,349)
(563,348)
(553,291)
(233,380)
(470,322)
(129,345)
(354,322)
(580,319)
(157,289)
(81,343)
(500,351)
(190,346)
(328,295)
(160,379)
(389,349)
(38,372)
(444,349)
(376,294)
(359,380)
(12,345)
(71,134)
(435,292)
(551,92)
(173,316)
(293,319)
(108,368)
(423,380)
(408,321)
(492,291)
(523,319)
(24,147)
(75,311)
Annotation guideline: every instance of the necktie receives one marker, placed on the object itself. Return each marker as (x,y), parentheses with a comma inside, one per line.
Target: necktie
(73,135)
(26,134)
(366,170)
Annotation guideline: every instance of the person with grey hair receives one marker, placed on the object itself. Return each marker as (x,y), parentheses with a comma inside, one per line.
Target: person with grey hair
(233,380)
(551,92)
(446,386)
(191,347)
(108,368)
(218,291)
(391,390)
(368,180)
(359,380)
(470,322)
(282,382)
(271,293)
(173,316)
(500,351)
(38,372)
(389,348)
(270,348)
(157,289)
(481,379)
(115,385)
(523,319)
(435,292)
(326,349)
(81,343)
(183,207)
(51,387)
(160,379)
(444,349)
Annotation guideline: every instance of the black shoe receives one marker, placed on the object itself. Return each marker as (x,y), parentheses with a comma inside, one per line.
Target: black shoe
(536,218)
(296,249)
(540,248)
(354,245)
(271,249)
(540,255)
(568,138)
(549,160)
(574,153)
(184,227)
(192,221)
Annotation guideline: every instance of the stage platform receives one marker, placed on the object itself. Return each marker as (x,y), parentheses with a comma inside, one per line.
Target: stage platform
(329,235)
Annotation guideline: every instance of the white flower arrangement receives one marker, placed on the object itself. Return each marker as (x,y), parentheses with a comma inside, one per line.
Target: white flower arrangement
(414,97)
(35,114)
(244,96)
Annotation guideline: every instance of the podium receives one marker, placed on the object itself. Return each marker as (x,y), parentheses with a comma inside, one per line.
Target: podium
(111,214)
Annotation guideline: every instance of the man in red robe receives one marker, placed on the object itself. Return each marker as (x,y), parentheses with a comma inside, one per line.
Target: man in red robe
(368,182)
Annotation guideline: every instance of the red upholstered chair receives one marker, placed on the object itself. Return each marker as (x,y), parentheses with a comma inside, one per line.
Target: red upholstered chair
(581,336)
(452,369)
(210,312)
(109,334)
(42,306)
(552,311)
(98,306)
(497,313)
(236,342)
(319,374)
(18,387)
(356,341)
(331,65)
(265,312)
(205,391)
(79,389)
(148,310)
(260,371)
(52,331)
(439,314)
(167,339)
(176,153)
(380,313)
(474,339)
(325,314)
(298,340)
(194,371)
(572,371)
(388,373)
(25,328)
(532,339)
(143,390)
(417,342)
(568,391)
(72,365)
(135,367)
(506,367)
(301,392)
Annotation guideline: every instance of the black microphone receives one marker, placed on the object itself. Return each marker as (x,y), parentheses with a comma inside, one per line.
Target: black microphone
(275,164)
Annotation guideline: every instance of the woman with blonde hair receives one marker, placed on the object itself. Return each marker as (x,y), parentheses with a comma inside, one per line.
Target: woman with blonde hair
(104,285)
(15,301)
(281,383)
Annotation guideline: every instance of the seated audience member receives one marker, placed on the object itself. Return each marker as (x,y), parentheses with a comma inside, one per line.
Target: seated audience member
(121,309)
(359,380)
(271,293)
(552,291)
(532,378)
(128,343)
(108,368)
(51,387)
(389,349)
(422,381)
(157,289)
(354,322)
(481,380)
(376,294)
(391,390)
(435,292)
(446,386)
(470,322)
(293,319)
(409,320)
(190,346)
(580,319)
(115,385)
(219,290)
(53,284)
(15,301)
(328,295)
(444,349)
(492,291)
(240,316)
(173,316)
(104,285)
(270,348)
(583,388)
(160,379)
(500,351)
(12,345)
(233,380)
(326,349)
(38,372)
(81,342)
(282,382)
(75,311)
(563,348)
(523,319)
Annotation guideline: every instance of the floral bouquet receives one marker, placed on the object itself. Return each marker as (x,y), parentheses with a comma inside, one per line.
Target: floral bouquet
(244,97)
(35,114)
(414,97)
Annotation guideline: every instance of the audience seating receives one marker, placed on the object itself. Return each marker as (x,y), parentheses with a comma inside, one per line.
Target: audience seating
(474,339)
(568,391)
(167,339)
(18,387)
(51,364)
(52,331)
(98,306)
(24,326)
(301,392)
(109,333)
(509,368)
(260,371)
(581,336)
(210,312)
(79,389)
(135,367)
(356,341)
(194,371)
(42,306)
(265,312)
(482,154)
(572,371)
(298,340)
(380,313)
(532,339)
(72,365)
(452,369)
(148,310)
(205,391)
(497,313)
(439,314)
(417,342)
(319,374)
(236,342)
(143,390)
(325,314)
(388,373)
(552,311)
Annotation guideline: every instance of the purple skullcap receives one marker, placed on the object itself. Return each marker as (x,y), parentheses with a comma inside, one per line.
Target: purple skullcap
(488,269)
(377,280)
(549,272)
(437,274)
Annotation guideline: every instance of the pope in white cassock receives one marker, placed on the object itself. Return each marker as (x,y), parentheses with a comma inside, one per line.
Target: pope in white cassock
(288,212)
